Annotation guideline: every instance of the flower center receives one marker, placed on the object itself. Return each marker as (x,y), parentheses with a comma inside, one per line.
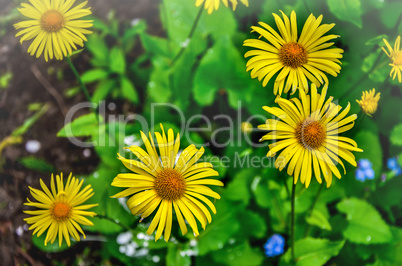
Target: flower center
(293,55)
(170,184)
(61,211)
(397,58)
(311,134)
(52,21)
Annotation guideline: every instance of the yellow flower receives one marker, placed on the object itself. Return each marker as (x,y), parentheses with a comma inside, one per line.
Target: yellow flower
(307,130)
(297,58)
(396,58)
(172,181)
(61,210)
(210,5)
(55,27)
(369,102)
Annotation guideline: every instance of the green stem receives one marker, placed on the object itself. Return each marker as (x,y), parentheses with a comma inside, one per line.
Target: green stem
(78,77)
(292,221)
(190,35)
(312,207)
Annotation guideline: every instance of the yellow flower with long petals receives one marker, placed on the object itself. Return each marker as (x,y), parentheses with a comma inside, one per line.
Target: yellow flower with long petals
(170,180)
(396,58)
(307,131)
(296,58)
(55,26)
(212,5)
(369,102)
(61,211)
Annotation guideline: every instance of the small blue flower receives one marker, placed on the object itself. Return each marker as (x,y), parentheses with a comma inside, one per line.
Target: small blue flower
(392,164)
(274,246)
(369,173)
(364,164)
(364,170)
(359,174)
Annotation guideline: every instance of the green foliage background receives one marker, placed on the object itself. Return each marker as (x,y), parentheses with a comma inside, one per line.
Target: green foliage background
(353,223)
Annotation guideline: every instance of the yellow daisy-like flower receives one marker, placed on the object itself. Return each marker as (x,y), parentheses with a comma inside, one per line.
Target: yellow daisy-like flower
(369,102)
(55,27)
(167,182)
(307,130)
(297,58)
(61,211)
(212,5)
(396,58)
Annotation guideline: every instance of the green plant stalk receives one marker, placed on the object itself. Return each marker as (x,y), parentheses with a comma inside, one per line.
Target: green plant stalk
(78,77)
(312,208)
(100,216)
(190,35)
(292,221)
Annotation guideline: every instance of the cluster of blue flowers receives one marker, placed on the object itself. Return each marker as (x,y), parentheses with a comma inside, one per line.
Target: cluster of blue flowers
(393,165)
(364,170)
(274,246)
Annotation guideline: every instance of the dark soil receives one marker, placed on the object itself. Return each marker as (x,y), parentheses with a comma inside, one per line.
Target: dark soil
(25,89)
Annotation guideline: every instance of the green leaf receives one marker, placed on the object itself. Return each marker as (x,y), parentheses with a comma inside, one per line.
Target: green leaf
(37,164)
(371,146)
(396,135)
(128,90)
(174,257)
(117,61)
(311,251)
(348,10)
(97,46)
(390,13)
(365,223)
(94,75)
(239,254)
(214,73)
(254,222)
(224,225)
(317,218)
(104,226)
(5,79)
(159,84)
(239,188)
(103,89)
(39,242)
(83,126)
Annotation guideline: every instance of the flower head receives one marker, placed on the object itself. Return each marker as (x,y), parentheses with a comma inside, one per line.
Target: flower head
(61,209)
(364,170)
(307,130)
(274,246)
(297,58)
(167,182)
(396,58)
(55,26)
(369,102)
(212,5)
(246,127)
(393,165)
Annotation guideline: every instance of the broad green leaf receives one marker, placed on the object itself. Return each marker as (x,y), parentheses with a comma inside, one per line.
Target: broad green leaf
(37,164)
(254,222)
(371,146)
(224,225)
(317,218)
(117,61)
(214,73)
(39,242)
(83,126)
(389,15)
(396,135)
(174,258)
(239,188)
(5,79)
(365,225)
(155,45)
(159,84)
(128,90)
(103,89)
(348,10)
(311,251)
(239,254)
(97,46)
(103,225)
(94,75)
